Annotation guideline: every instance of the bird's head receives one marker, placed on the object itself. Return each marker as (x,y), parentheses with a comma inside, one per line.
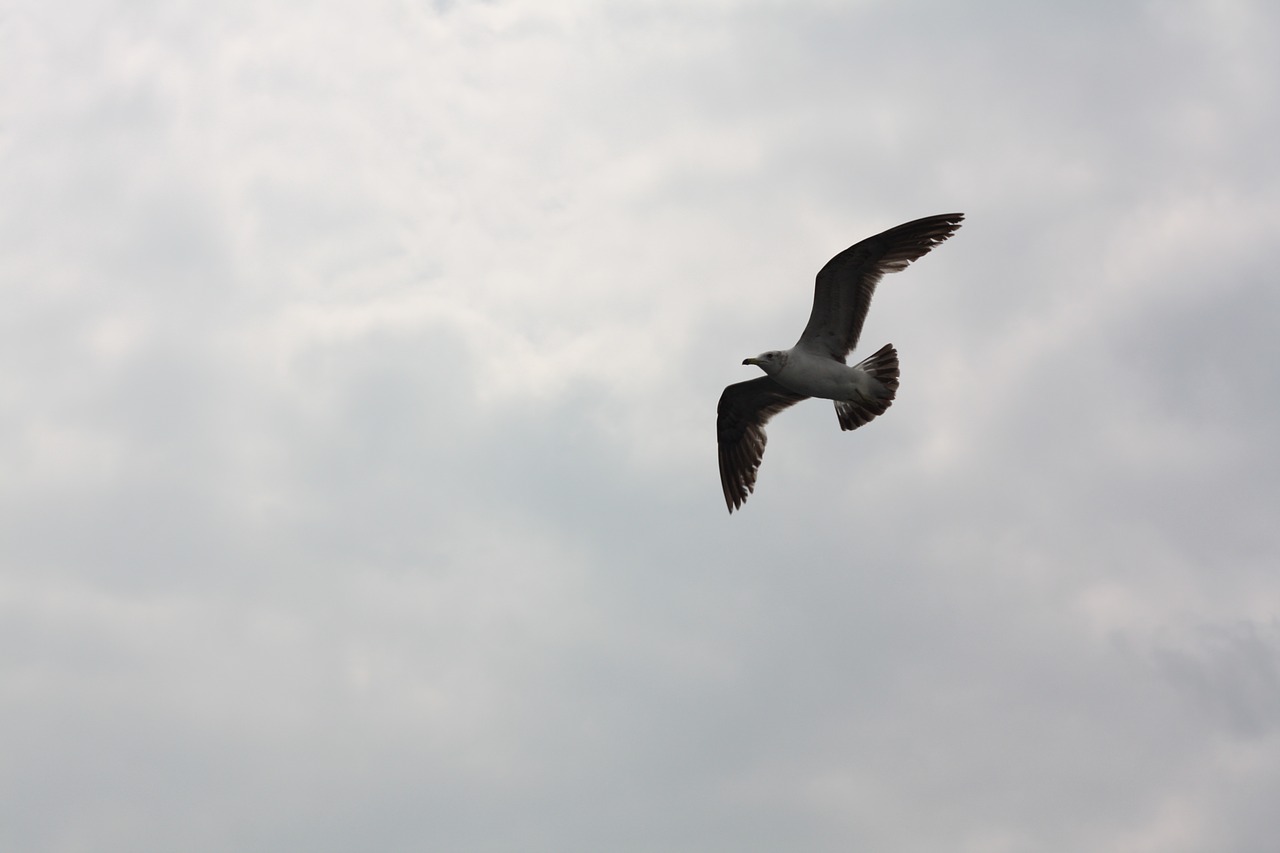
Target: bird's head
(770,362)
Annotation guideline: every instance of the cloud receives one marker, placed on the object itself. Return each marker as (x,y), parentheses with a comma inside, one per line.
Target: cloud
(358,384)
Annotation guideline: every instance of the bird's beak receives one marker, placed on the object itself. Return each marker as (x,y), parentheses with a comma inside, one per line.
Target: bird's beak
(750,361)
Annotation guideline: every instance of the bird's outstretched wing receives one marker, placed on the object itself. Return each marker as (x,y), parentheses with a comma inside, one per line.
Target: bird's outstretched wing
(845,285)
(745,407)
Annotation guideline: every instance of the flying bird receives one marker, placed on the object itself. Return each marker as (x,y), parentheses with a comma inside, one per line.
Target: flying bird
(815,366)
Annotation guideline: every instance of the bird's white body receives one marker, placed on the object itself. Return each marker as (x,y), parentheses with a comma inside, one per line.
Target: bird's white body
(818,375)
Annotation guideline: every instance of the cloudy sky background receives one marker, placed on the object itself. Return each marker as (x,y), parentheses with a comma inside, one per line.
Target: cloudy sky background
(358,485)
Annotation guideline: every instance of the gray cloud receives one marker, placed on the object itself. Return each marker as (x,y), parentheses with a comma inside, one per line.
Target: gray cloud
(358,382)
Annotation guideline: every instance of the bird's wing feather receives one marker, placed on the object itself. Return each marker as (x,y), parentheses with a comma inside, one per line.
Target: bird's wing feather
(845,285)
(745,407)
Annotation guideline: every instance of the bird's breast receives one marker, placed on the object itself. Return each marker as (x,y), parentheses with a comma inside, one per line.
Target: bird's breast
(819,377)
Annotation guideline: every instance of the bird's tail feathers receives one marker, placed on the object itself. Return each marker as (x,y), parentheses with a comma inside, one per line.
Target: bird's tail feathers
(881,366)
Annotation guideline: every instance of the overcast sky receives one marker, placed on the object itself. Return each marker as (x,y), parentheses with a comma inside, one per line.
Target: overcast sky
(358,484)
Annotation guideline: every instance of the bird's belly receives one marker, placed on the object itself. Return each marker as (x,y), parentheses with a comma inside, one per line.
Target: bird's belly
(829,380)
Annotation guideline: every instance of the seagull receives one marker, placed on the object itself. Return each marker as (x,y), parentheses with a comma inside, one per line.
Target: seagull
(815,366)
